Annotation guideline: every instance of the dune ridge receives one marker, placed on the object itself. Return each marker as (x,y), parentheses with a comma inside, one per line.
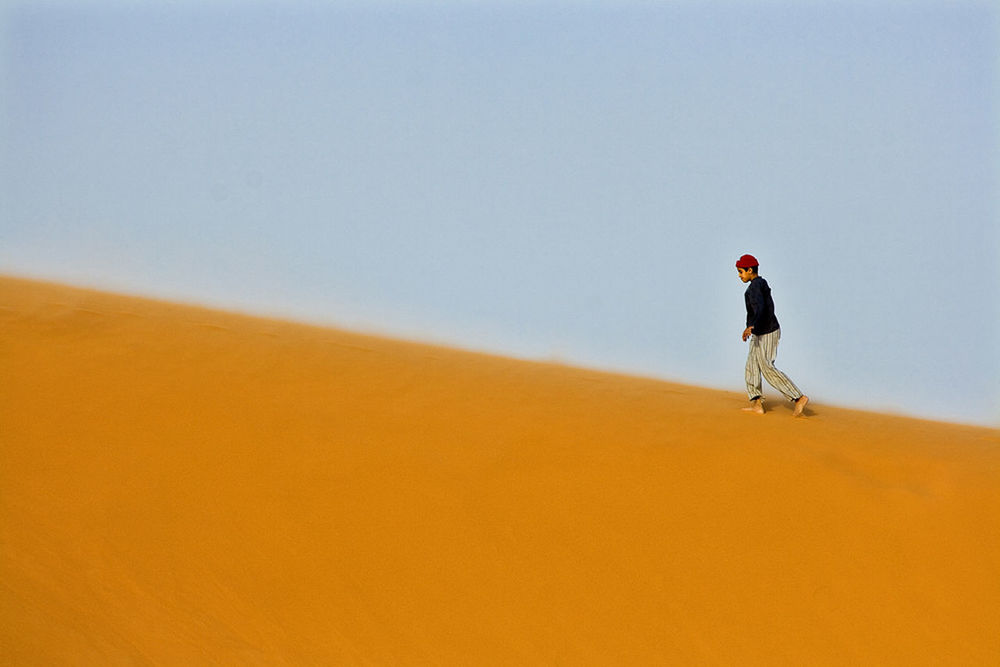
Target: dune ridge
(186,486)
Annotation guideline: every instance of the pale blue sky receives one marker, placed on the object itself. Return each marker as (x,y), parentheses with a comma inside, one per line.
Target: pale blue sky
(543,180)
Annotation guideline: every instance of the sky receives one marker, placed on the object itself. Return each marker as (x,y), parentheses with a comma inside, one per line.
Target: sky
(567,182)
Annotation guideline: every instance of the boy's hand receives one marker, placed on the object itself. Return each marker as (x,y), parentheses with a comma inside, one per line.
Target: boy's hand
(746,333)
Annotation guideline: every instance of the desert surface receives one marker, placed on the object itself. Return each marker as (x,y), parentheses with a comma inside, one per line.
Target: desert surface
(184,486)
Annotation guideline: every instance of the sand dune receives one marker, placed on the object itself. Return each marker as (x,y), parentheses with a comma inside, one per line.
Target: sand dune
(183,486)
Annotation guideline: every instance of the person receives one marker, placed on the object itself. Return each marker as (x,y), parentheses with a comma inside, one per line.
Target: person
(764,332)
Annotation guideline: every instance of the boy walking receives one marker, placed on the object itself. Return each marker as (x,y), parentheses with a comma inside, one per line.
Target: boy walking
(764,333)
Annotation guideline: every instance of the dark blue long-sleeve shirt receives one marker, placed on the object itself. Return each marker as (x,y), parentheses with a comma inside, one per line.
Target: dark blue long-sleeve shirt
(760,307)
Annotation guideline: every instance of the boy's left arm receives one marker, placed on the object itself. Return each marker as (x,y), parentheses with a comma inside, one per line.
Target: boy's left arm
(756,303)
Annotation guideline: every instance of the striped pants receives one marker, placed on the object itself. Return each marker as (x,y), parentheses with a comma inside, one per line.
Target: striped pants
(760,359)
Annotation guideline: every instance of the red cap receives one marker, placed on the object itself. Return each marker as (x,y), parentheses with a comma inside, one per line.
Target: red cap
(746,261)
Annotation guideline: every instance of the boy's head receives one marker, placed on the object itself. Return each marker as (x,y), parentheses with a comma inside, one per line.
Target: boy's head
(747,266)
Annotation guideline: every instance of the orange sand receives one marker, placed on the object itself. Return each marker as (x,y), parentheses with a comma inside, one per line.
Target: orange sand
(183,486)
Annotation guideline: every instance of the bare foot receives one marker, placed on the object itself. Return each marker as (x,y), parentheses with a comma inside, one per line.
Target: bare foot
(756,407)
(800,405)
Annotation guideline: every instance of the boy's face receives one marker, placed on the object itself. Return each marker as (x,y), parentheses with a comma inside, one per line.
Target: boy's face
(746,275)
